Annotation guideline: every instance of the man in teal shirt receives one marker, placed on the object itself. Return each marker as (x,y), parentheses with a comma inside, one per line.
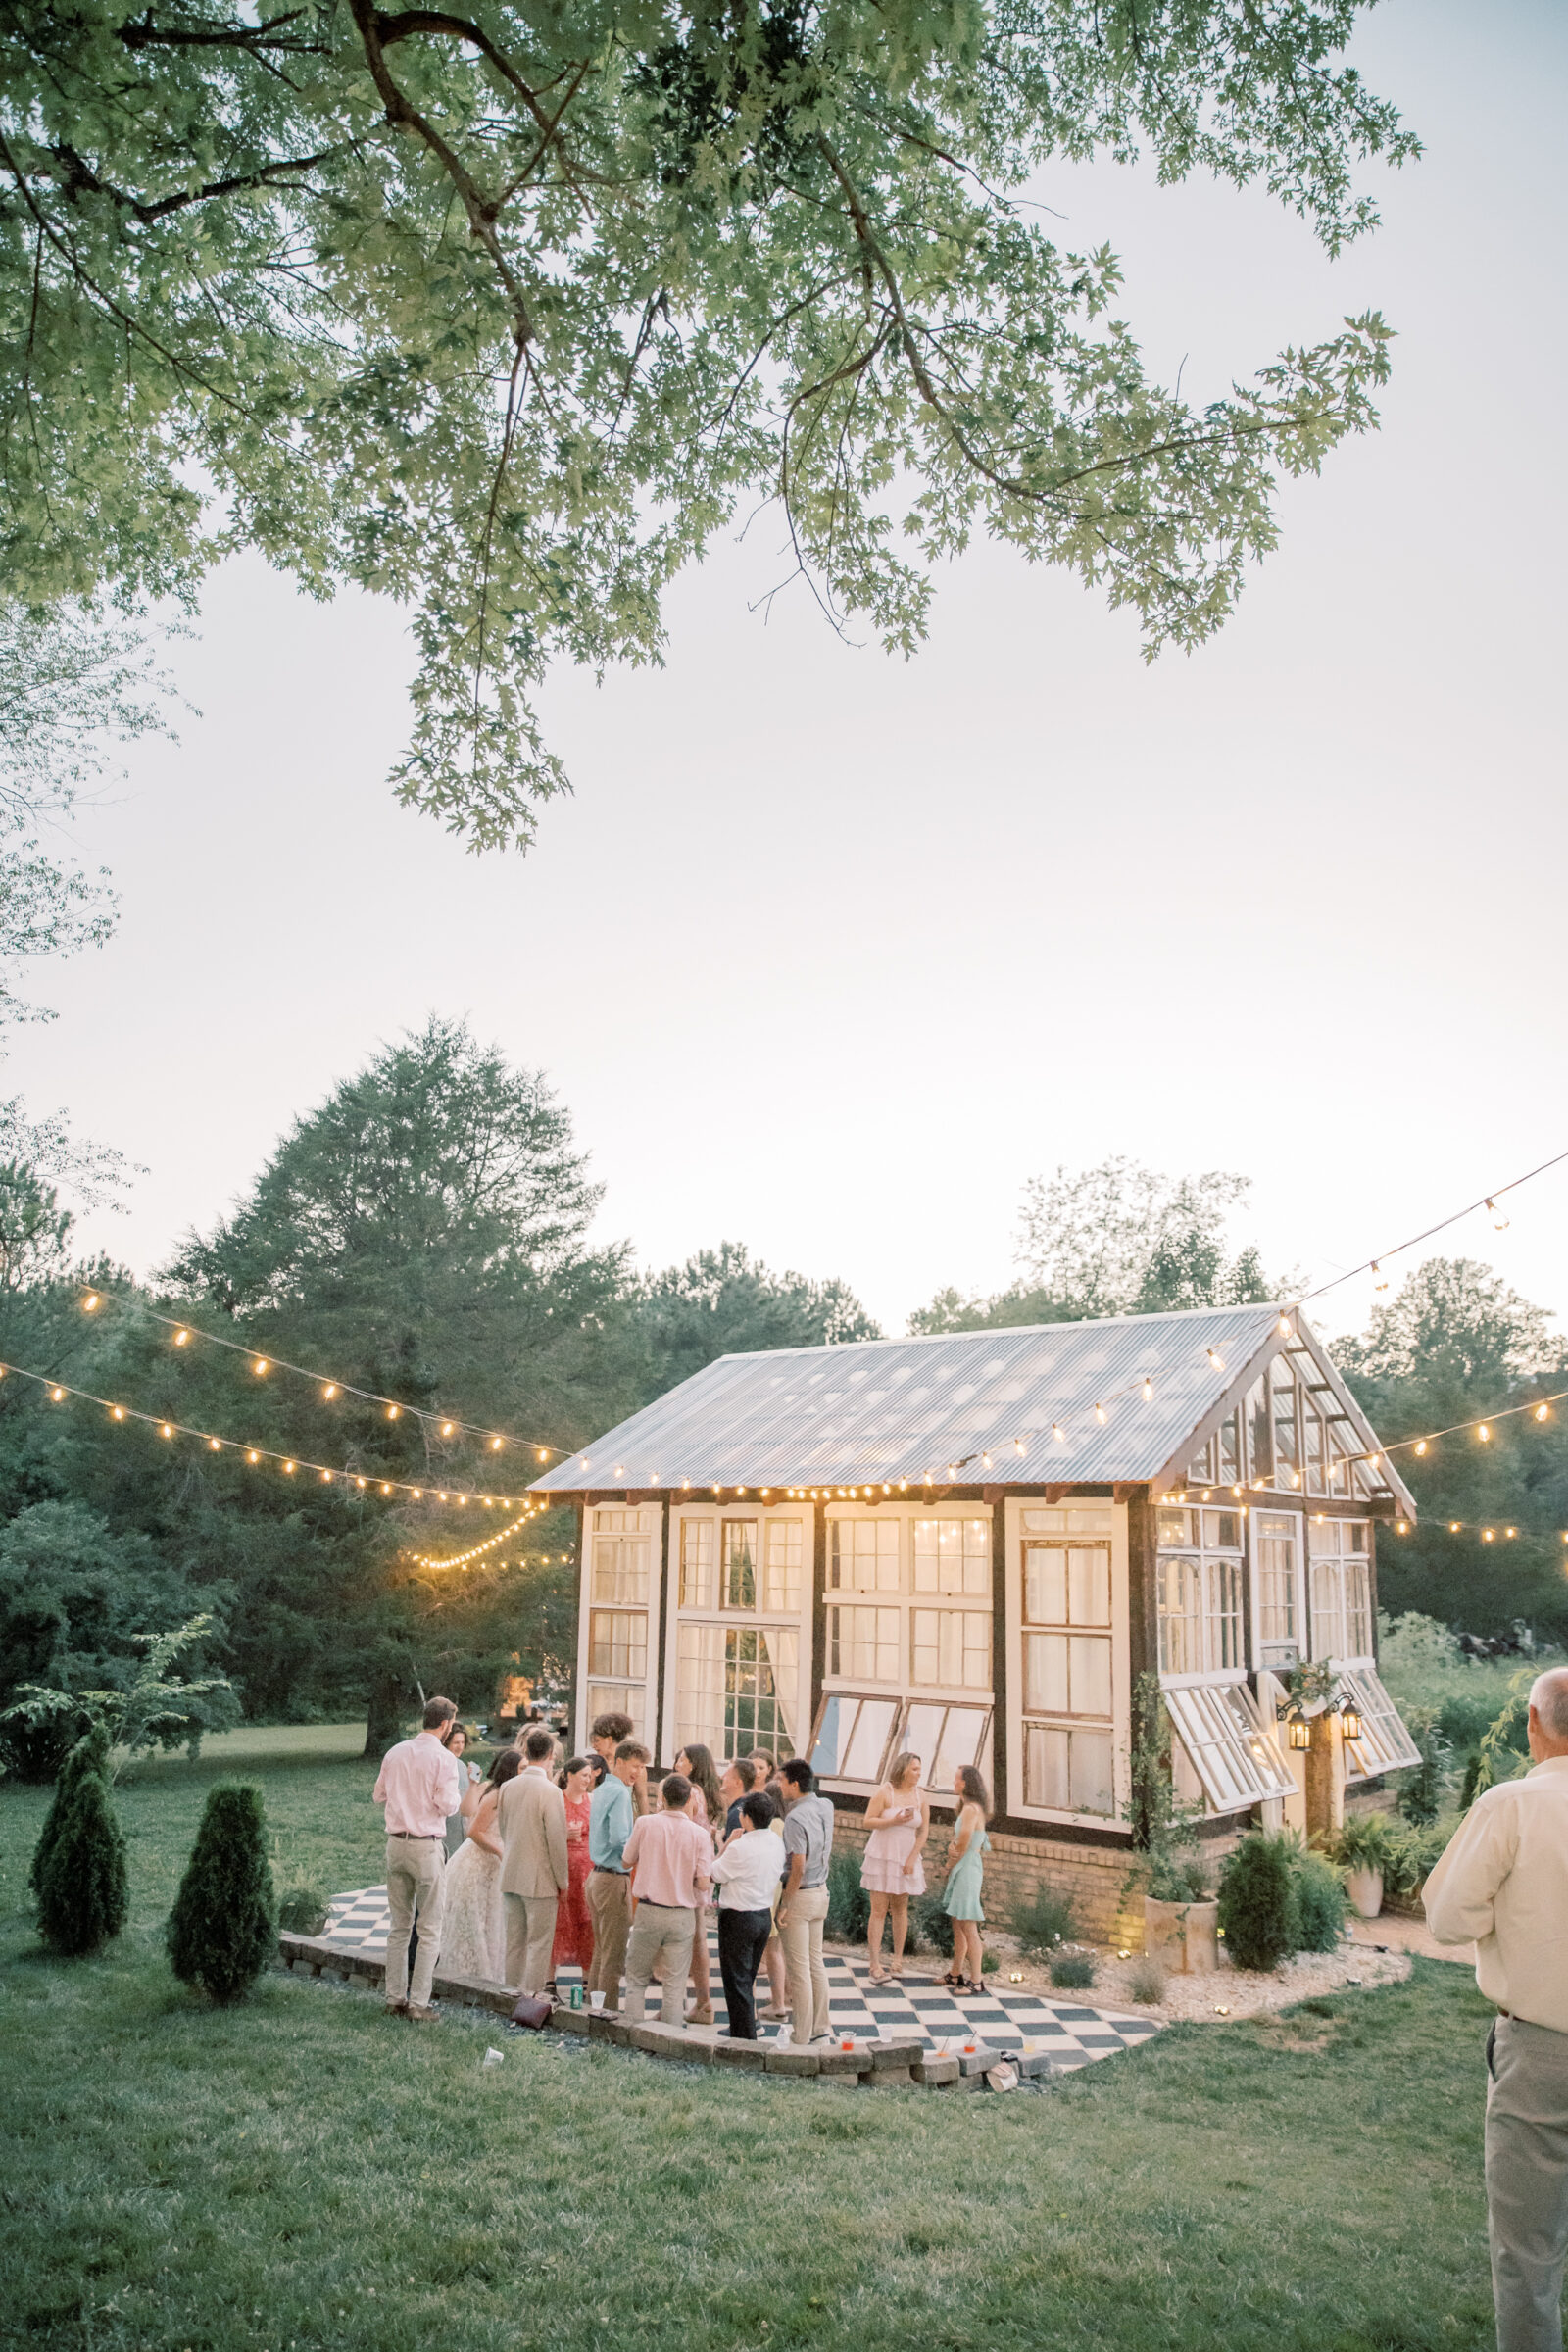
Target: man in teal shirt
(609,1823)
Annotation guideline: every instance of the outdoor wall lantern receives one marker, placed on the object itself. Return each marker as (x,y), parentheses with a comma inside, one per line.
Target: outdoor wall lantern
(1349,1720)
(1301,1732)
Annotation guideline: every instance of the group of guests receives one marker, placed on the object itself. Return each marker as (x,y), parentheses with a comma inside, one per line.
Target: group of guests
(539,1864)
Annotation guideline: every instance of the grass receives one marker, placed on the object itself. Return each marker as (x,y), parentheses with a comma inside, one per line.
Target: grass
(301,2174)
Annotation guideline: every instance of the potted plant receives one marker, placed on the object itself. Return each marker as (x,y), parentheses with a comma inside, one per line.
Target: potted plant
(1180,1917)
(1362,1850)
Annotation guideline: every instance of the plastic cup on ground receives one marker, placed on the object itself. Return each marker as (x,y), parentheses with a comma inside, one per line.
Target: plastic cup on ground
(595,2000)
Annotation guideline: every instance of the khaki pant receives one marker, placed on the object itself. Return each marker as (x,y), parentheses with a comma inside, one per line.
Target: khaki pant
(530,1939)
(665,1928)
(416,1893)
(610,1909)
(801,1934)
(1527,2181)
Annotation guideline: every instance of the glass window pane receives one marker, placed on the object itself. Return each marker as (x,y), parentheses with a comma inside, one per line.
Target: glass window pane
(700,1688)
(868,1741)
(1045,1768)
(1260,1452)
(617,1642)
(620,1564)
(863,1645)
(738,1552)
(1044,1583)
(1176,1588)
(964,1739)
(761,1671)
(697,1588)
(1222,1531)
(1175,1530)
(1090,1787)
(1045,1674)
(786,1566)
(1230,1460)
(1089,1674)
(620,1698)
(1089,1585)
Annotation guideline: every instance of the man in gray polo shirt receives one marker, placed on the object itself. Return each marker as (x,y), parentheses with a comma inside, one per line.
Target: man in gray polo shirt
(803,1906)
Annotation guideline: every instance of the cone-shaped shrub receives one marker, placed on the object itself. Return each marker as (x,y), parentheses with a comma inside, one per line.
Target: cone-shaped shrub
(222,1930)
(1257,1902)
(83,1897)
(90,1754)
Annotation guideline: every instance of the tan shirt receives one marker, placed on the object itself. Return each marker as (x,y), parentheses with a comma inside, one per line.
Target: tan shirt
(1504,1880)
(531,1818)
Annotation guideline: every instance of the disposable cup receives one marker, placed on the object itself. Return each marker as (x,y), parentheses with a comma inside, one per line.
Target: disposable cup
(595,2000)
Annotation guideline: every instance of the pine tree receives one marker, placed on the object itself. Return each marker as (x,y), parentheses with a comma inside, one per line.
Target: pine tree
(84,1896)
(89,1754)
(222,1930)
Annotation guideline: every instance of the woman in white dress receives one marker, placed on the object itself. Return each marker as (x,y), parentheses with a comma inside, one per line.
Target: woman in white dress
(900,1821)
(473,1930)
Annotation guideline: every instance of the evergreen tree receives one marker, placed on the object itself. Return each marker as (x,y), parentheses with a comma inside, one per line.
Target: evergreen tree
(1257,1911)
(89,1755)
(222,1930)
(84,1896)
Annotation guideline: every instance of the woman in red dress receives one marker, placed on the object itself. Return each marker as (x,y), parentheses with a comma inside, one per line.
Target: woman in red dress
(574,1929)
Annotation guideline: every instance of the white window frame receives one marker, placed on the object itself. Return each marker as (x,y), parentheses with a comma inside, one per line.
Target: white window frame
(1254,1540)
(761,1618)
(1105,1823)
(1210,1559)
(1320,1555)
(1233,1756)
(599,1695)
(1385,1744)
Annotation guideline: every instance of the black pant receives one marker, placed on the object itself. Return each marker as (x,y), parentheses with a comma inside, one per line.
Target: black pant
(742,1940)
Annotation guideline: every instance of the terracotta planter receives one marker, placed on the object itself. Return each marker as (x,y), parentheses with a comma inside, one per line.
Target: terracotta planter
(1184,1934)
(1364,1888)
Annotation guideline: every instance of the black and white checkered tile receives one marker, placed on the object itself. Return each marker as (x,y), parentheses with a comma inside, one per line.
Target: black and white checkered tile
(1005,2017)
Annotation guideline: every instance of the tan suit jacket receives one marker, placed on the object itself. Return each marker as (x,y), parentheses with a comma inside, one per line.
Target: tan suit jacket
(531,1815)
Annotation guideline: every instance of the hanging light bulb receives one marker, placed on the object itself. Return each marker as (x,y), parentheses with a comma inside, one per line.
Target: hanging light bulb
(1214,1358)
(392,1411)
(1058,1432)
(58,1396)
(117,1412)
(1421,1446)
(1285,1325)
(169,1429)
(1483,1433)
(329,1392)
(1018,1445)
(1403,1526)
(984,1461)
(1148,1390)
(260,1367)
(1099,1413)
(1543,1413)
(253,1456)
(1453,1527)
(214,1445)
(91,1304)
(495,1444)
(1498,1217)
(182,1339)
(288,1469)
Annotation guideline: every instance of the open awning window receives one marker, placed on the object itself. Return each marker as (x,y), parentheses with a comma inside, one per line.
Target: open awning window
(853,1735)
(1385,1744)
(1233,1756)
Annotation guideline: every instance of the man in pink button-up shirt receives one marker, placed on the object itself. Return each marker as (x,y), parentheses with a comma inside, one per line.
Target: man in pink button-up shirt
(419,1786)
(667,1854)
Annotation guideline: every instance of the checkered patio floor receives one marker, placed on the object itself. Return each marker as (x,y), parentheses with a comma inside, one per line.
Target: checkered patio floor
(1005,2017)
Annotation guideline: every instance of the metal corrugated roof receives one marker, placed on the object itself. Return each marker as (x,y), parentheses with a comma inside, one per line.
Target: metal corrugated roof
(909,1408)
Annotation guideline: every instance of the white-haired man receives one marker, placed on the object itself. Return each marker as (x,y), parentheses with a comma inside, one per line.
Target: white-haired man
(1504,1882)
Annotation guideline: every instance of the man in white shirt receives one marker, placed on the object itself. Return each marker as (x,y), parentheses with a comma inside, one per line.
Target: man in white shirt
(746,1874)
(419,1786)
(1503,1881)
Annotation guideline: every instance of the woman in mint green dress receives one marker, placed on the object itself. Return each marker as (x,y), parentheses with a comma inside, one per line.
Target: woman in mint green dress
(960,1896)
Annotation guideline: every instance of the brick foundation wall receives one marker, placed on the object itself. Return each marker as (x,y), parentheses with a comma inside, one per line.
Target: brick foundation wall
(1094,1876)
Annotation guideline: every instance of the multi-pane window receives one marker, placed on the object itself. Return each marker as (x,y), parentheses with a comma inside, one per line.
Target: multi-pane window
(617,1643)
(621,1552)
(950,1648)
(952,1555)
(1341,1570)
(943,1737)
(736,1687)
(1278,1629)
(697,1564)
(863,1643)
(1067,1661)
(738,1563)
(1199,1592)
(863,1555)
(784,1567)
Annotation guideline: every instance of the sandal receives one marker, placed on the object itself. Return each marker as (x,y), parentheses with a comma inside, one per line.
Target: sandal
(874,1979)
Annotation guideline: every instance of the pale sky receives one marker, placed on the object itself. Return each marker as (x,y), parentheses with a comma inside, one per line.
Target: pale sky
(829,951)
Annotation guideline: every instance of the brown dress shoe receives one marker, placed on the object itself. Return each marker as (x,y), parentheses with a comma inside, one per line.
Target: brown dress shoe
(423,2016)
(397,2008)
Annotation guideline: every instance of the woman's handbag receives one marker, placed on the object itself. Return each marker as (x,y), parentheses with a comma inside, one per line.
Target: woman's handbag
(532,2010)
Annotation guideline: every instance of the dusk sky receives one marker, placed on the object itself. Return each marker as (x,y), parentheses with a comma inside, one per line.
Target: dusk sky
(830,952)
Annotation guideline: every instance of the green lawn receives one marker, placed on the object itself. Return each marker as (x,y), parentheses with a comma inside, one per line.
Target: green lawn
(304,2173)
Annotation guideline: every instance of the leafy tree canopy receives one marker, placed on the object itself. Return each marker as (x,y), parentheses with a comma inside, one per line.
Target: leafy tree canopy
(722,1302)
(1115,1239)
(1453,1346)
(505,314)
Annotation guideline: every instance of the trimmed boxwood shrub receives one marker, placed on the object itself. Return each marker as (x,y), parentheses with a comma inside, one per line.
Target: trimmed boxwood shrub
(89,1754)
(83,1896)
(1257,1903)
(222,1930)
